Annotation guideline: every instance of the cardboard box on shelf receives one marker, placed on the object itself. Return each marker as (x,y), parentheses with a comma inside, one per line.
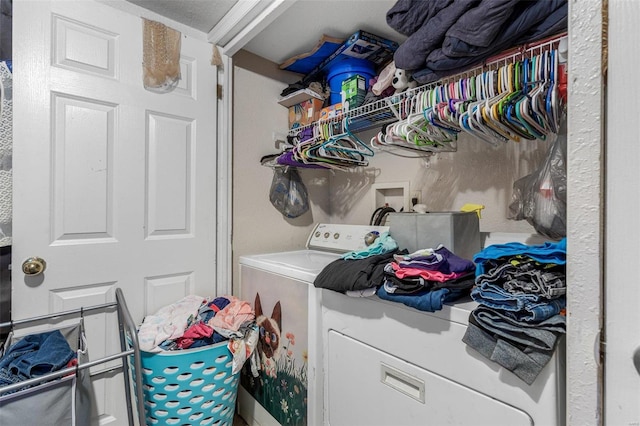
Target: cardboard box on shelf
(298,96)
(305,112)
(353,92)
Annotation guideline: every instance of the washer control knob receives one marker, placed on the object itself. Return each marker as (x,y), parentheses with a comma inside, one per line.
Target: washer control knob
(326,234)
(370,237)
(336,236)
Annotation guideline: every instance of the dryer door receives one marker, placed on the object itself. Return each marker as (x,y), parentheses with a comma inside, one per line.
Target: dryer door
(370,387)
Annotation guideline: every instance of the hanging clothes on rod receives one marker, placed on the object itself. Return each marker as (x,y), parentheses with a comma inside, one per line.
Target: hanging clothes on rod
(513,97)
(516,97)
(329,144)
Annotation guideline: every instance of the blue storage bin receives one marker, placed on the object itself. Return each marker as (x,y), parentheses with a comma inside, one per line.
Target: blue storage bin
(345,69)
(189,387)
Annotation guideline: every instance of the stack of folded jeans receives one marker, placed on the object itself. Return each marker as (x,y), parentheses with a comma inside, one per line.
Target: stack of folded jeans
(522,295)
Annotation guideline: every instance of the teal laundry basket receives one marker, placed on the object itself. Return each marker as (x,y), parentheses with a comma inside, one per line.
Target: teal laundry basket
(189,387)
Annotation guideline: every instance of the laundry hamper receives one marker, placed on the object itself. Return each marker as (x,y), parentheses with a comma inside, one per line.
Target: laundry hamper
(66,400)
(189,387)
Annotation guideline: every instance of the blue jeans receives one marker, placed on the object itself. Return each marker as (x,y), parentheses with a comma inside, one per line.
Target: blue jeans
(520,348)
(35,355)
(521,274)
(540,336)
(522,306)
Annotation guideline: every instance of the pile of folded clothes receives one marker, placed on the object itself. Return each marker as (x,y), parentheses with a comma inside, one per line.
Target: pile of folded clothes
(427,278)
(521,291)
(424,280)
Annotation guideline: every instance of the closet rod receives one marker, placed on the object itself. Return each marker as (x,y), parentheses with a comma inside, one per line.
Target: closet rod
(501,59)
(536,46)
(57,315)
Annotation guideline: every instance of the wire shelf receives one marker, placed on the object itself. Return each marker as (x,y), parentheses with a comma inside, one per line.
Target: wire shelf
(385,111)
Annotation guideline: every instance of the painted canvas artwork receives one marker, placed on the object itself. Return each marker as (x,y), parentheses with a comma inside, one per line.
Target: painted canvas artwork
(281,384)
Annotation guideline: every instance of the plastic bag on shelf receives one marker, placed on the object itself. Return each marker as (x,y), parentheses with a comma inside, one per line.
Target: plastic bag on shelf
(541,197)
(288,193)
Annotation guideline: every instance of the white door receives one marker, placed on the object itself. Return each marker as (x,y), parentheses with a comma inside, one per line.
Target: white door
(622,249)
(114,185)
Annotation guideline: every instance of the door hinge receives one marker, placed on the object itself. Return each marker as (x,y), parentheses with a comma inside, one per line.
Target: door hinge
(602,348)
(219,91)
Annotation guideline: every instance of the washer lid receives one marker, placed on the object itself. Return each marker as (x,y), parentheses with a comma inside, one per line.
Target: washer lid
(303,265)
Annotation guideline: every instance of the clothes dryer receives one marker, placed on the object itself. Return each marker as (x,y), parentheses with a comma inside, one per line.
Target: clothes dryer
(389,364)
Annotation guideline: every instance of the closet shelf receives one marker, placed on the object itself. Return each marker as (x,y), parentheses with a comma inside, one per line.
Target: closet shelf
(387,110)
(518,95)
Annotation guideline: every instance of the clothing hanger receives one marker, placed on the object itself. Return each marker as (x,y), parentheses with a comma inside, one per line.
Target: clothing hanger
(347,141)
(552,93)
(488,112)
(414,129)
(523,108)
(538,96)
(471,120)
(508,114)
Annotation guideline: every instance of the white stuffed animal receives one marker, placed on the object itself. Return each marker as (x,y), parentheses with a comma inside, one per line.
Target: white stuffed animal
(402,81)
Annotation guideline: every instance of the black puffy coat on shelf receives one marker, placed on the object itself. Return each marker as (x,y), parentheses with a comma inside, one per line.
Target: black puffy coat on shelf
(446,37)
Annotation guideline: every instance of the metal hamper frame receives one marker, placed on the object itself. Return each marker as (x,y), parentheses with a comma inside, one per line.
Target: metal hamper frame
(126,330)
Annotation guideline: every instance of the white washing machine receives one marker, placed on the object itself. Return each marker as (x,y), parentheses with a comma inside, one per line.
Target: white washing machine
(289,387)
(367,361)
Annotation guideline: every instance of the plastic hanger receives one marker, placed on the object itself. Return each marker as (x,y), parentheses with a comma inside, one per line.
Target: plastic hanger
(508,113)
(538,96)
(523,108)
(552,107)
(488,111)
(345,143)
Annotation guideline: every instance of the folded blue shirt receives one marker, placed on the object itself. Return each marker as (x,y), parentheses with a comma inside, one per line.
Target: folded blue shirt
(548,252)
(382,245)
(428,301)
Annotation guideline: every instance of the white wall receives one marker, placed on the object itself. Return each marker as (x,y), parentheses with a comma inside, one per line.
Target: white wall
(257,226)
(477,173)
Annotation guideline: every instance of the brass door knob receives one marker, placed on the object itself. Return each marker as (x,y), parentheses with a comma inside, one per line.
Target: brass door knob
(34,266)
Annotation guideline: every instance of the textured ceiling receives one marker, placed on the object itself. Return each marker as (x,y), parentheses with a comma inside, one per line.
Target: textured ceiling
(300,27)
(199,14)
(296,31)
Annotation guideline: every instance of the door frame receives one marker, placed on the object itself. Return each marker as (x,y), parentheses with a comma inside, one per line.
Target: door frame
(585,199)
(243,22)
(621,336)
